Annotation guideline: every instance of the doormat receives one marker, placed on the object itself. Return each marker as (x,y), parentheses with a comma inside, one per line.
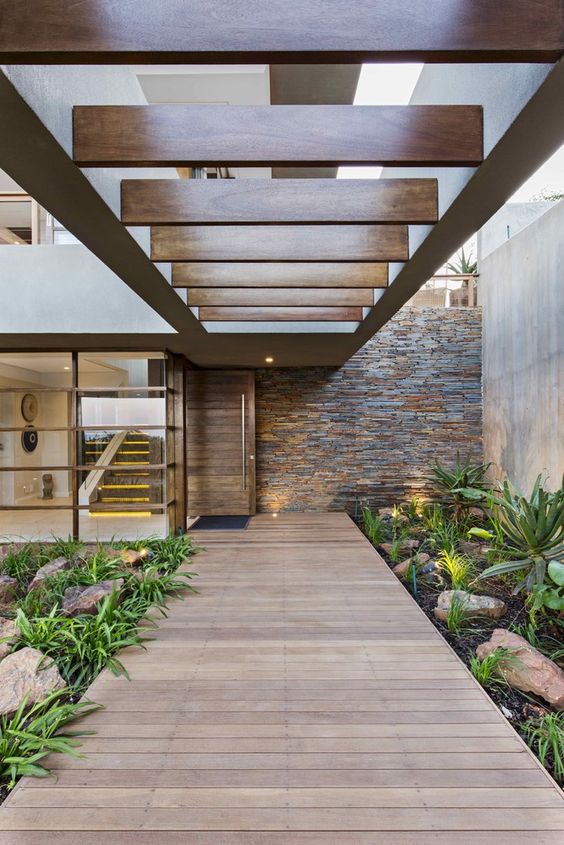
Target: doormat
(220,523)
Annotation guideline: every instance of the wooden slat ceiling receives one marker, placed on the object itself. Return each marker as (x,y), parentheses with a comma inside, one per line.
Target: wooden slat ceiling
(172,31)
(149,202)
(323,221)
(164,135)
(294,249)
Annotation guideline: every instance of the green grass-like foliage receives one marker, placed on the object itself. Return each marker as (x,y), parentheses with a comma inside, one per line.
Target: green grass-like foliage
(546,738)
(31,734)
(533,529)
(442,529)
(460,568)
(486,671)
(457,617)
(373,526)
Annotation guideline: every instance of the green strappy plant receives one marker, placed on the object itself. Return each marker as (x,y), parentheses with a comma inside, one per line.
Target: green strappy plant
(533,530)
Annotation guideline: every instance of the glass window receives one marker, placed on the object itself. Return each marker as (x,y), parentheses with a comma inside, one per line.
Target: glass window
(97,447)
(121,369)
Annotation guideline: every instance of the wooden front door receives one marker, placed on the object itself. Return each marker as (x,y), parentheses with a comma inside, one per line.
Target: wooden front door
(220,442)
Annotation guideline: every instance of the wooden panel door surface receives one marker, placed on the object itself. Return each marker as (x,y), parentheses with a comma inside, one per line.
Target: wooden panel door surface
(220,442)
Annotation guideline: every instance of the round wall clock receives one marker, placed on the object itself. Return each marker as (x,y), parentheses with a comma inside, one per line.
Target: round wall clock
(30,439)
(29,407)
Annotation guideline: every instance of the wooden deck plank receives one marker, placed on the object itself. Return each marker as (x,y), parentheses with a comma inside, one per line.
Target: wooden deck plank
(273,709)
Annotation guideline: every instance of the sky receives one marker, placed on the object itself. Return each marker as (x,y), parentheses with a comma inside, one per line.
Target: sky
(393,84)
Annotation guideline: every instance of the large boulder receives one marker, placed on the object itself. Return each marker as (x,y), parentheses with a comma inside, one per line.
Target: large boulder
(8,589)
(525,668)
(47,571)
(471,604)
(26,673)
(77,600)
(8,634)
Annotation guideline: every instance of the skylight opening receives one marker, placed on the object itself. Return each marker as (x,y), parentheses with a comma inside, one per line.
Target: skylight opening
(382,85)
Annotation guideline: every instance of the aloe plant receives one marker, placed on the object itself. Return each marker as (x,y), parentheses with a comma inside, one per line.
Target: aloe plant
(453,482)
(533,530)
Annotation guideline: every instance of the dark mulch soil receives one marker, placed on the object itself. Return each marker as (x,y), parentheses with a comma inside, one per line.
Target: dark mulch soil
(516,706)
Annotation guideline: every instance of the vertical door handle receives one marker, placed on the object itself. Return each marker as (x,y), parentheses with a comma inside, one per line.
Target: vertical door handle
(243,446)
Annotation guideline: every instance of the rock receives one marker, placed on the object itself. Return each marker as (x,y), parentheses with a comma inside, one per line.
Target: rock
(474,549)
(8,589)
(26,673)
(407,545)
(509,714)
(132,557)
(8,633)
(472,604)
(47,571)
(429,567)
(401,569)
(77,600)
(525,668)
(478,513)
(385,512)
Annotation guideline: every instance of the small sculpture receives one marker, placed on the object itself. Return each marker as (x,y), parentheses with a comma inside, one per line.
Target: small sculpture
(47,479)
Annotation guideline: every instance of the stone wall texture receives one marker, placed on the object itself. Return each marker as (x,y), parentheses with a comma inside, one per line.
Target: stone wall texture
(329,439)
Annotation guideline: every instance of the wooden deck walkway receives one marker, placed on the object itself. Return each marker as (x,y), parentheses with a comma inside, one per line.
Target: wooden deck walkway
(301,698)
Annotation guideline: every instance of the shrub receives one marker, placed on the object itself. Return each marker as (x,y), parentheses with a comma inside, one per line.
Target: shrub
(457,618)
(460,568)
(30,735)
(533,529)
(452,482)
(373,526)
(546,738)
(21,564)
(486,671)
(548,597)
(443,532)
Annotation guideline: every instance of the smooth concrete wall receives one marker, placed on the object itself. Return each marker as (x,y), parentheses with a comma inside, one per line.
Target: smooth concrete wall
(511,219)
(521,290)
(66,289)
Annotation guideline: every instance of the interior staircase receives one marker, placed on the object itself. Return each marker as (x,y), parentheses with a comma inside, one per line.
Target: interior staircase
(129,483)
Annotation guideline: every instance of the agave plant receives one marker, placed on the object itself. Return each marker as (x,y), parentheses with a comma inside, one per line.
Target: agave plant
(533,529)
(452,483)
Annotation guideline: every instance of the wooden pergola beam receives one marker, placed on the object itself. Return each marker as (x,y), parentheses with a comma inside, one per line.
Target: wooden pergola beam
(281,296)
(280,314)
(210,274)
(279,243)
(247,31)
(165,135)
(150,202)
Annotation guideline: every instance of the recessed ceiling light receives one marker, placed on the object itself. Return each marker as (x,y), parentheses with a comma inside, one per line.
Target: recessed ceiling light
(66,368)
(269,359)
